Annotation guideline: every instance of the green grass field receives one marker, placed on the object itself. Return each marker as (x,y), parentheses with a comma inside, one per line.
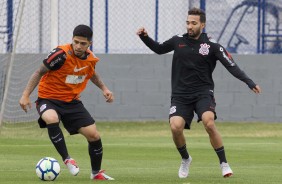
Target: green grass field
(143,152)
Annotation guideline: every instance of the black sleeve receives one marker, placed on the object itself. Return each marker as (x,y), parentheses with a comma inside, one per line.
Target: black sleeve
(226,59)
(158,48)
(55,59)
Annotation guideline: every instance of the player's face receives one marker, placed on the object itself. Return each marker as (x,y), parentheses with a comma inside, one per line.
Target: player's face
(194,26)
(80,45)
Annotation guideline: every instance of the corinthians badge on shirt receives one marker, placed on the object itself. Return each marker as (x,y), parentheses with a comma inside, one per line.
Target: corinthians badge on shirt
(204,50)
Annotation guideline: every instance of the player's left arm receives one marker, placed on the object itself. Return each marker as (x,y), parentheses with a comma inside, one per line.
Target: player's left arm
(96,79)
(226,59)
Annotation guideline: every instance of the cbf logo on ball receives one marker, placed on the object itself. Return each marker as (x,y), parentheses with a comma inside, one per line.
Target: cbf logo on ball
(204,50)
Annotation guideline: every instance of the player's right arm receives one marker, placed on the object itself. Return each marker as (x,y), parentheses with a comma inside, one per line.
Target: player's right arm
(32,83)
(159,48)
(54,61)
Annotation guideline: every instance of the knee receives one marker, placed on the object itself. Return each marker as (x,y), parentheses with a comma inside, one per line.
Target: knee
(93,136)
(50,116)
(51,119)
(176,128)
(210,126)
(90,133)
(208,121)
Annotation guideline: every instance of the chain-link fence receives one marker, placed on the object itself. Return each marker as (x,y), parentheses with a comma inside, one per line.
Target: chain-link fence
(242,26)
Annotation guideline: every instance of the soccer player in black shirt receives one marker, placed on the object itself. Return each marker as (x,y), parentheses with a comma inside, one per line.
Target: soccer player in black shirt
(194,60)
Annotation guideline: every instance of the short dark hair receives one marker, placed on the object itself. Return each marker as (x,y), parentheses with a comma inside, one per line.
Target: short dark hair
(198,11)
(84,31)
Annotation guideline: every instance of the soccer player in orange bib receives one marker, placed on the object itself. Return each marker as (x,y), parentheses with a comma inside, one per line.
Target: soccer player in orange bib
(61,78)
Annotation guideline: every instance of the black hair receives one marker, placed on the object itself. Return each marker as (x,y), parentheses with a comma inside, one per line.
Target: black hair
(84,31)
(197,11)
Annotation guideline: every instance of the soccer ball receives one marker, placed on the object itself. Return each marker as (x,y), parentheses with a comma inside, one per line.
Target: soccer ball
(48,169)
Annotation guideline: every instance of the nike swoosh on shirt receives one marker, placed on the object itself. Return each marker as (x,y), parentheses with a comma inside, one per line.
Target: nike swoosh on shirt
(78,69)
(182,45)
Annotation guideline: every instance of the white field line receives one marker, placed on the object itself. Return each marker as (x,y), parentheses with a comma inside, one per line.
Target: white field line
(142,144)
(63,169)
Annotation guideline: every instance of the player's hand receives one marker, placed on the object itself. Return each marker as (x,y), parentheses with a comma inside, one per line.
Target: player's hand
(257,89)
(142,31)
(25,103)
(108,95)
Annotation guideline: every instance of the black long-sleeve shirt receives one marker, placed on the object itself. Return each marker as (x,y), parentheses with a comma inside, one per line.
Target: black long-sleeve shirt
(193,63)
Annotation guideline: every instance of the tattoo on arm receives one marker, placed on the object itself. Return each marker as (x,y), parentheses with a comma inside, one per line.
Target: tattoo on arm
(97,81)
(34,79)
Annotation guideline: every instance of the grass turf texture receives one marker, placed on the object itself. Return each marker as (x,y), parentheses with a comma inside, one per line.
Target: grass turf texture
(143,152)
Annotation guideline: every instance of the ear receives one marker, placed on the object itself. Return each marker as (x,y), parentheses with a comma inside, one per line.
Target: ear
(203,25)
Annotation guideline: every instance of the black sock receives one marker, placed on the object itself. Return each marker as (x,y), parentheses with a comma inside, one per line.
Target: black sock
(221,154)
(96,153)
(183,152)
(57,138)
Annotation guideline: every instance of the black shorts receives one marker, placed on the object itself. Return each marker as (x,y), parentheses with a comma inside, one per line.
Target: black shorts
(185,107)
(73,114)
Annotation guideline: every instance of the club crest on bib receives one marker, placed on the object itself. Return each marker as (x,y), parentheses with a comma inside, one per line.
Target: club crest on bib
(204,50)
